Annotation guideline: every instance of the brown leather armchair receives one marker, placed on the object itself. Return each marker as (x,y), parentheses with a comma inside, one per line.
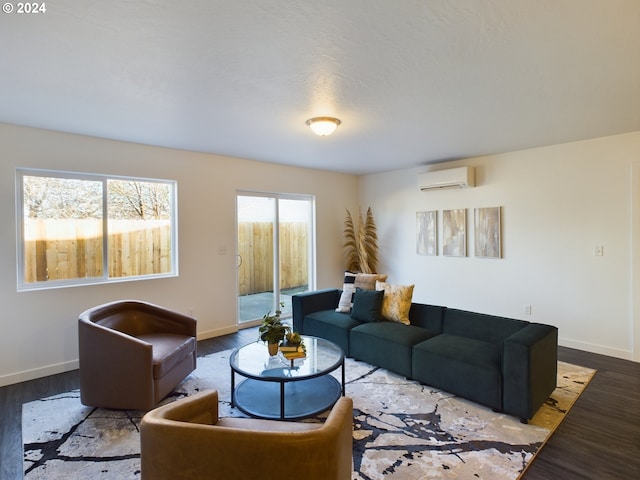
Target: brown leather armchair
(186,439)
(133,353)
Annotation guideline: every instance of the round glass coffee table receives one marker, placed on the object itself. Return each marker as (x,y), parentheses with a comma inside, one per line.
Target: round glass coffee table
(281,389)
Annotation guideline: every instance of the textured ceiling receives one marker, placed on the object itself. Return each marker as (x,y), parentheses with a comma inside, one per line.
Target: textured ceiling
(414,82)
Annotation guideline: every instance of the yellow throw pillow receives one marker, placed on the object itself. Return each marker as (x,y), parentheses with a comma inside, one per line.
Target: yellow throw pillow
(396,302)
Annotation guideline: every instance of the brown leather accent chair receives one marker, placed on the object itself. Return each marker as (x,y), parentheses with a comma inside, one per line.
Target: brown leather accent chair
(186,439)
(133,354)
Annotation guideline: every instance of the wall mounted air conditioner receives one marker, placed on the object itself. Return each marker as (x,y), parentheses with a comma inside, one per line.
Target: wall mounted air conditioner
(461,177)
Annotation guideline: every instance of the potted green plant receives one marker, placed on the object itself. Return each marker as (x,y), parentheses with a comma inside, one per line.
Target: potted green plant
(273,331)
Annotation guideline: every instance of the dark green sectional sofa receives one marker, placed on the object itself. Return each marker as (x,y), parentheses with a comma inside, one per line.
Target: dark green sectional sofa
(506,364)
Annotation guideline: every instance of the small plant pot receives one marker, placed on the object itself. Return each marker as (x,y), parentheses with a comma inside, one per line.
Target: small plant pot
(273,348)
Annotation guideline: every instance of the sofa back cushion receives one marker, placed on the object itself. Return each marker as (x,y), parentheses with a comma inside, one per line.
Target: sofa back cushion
(426,316)
(488,328)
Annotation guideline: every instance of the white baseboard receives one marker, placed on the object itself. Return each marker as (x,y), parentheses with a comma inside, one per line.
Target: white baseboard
(26,375)
(74,364)
(593,348)
(217,332)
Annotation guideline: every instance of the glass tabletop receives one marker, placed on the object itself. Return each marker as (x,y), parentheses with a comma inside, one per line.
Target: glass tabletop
(253,360)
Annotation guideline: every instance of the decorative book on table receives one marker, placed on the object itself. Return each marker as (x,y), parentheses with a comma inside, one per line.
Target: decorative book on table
(291,351)
(290,347)
(294,355)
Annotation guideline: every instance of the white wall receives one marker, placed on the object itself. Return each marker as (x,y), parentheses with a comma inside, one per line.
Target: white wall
(558,202)
(39,328)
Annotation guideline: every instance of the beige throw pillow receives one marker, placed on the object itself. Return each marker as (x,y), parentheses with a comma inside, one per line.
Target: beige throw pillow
(396,302)
(367,281)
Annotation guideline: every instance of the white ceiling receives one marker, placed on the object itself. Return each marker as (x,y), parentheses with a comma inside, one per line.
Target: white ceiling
(413,81)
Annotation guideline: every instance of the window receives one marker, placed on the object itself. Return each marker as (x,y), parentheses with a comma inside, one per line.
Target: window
(78,229)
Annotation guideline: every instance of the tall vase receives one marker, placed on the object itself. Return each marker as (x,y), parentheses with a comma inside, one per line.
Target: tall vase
(273,348)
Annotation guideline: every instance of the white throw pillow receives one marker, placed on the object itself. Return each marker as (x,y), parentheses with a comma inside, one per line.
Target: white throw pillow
(348,289)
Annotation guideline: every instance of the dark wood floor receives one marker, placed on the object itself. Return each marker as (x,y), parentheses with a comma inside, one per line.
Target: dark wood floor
(599,439)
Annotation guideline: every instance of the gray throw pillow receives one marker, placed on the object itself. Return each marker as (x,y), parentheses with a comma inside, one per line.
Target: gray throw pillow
(367,305)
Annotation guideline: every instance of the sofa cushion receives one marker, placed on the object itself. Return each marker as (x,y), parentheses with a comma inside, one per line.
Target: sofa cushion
(387,344)
(331,325)
(463,366)
(488,328)
(427,316)
(396,302)
(312,301)
(366,305)
(168,350)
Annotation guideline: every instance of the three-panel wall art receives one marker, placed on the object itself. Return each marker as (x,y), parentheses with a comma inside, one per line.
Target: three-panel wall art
(487,227)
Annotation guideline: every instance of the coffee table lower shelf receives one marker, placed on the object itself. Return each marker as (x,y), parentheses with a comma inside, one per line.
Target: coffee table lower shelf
(289,400)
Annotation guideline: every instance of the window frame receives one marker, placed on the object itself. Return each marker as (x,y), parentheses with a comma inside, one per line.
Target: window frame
(22,285)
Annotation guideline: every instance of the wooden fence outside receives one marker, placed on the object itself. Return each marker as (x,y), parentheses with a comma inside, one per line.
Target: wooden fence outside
(69,249)
(255,248)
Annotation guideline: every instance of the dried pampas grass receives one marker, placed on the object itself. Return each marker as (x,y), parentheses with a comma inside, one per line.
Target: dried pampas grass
(361,245)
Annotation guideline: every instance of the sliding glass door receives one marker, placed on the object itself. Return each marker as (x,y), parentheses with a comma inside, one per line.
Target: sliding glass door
(275,248)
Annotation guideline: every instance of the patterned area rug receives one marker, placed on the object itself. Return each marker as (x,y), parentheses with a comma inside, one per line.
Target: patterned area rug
(402,430)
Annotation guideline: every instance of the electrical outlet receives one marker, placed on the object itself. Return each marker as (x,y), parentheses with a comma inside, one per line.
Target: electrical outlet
(598,251)
(527,309)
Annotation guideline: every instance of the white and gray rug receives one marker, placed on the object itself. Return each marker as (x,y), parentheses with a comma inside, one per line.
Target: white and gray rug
(402,430)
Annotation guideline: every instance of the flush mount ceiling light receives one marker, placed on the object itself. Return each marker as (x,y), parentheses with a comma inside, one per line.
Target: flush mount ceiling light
(323,126)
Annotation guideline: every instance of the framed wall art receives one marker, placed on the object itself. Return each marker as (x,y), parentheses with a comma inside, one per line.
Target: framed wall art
(487,236)
(427,233)
(454,232)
